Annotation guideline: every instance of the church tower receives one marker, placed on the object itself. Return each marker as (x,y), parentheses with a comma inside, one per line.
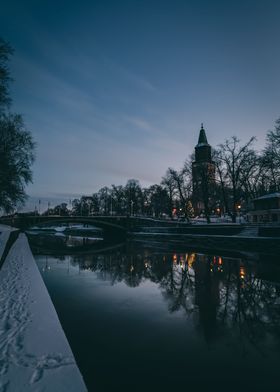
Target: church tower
(203,175)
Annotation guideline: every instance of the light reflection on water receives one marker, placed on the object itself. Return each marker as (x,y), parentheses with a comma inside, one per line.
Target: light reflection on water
(140,319)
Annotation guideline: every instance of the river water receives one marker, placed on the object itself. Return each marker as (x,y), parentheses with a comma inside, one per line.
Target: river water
(140,318)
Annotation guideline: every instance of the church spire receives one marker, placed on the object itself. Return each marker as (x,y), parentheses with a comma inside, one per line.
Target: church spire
(202,140)
(202,149)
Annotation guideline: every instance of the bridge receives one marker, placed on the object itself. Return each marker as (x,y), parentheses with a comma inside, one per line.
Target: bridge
(110,224)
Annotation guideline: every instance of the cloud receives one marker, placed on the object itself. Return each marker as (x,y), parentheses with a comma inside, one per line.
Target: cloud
(140,123)
(137,80)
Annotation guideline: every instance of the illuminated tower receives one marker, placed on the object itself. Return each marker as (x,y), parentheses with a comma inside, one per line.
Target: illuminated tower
(203,174)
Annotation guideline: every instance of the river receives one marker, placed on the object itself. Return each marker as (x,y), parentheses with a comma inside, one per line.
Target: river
(143,318)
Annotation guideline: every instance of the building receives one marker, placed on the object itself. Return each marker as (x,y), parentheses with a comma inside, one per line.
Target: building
(266,209)
(203,175)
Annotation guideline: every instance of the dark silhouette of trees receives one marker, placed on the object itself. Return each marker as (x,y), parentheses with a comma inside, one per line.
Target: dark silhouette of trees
(76,207)
(61,209)
(156,201)
(16,143)
(169,184)
(134,197)
(271,160)
(236,164)
(182,181)
(5,52)
(118,200)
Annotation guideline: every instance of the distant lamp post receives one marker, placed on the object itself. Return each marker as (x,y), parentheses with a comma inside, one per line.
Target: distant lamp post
(131,207)
(238,208)
(238,212)
(111,205)
(146,204)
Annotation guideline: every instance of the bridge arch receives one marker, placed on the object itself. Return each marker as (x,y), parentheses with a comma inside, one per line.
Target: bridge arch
(108,224)
(102,224)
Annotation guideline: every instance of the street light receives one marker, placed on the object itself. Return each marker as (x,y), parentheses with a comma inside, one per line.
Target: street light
(131,207)
(238,212)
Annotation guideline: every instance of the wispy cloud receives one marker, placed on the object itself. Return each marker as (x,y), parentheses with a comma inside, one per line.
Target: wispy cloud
(134,78)
(140,123)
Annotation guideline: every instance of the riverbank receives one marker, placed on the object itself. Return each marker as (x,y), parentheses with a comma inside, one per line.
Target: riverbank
(34,352)
(263,240)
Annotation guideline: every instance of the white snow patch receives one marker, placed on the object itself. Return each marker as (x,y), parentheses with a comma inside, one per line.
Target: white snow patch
(4,236)
(34,352)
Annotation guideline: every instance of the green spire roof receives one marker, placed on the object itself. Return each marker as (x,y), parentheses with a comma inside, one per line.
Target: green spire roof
(202,140)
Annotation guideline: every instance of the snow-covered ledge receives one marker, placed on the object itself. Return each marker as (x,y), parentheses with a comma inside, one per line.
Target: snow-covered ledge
(4,236)
(34,352)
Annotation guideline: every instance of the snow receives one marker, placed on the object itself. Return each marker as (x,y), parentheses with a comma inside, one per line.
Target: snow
(269,196)
(34,352)
(4,236)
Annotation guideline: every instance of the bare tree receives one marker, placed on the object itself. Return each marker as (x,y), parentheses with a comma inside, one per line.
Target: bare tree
(182,181)
(169,184)
(237,163)
(134,197)
(271,158)
(222,188)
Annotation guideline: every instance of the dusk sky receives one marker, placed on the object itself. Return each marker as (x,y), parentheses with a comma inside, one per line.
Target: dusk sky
(113,90)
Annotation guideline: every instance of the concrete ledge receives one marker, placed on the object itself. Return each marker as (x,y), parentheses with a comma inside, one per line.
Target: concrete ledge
(5,234)
(34,352)
(7,239)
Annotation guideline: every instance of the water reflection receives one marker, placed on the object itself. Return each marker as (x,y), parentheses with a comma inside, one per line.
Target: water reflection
(182,310)
(64,238)
(224,296)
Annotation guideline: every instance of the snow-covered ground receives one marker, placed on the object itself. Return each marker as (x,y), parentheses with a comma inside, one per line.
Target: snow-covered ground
(4,236)
(34,352)
(217,219)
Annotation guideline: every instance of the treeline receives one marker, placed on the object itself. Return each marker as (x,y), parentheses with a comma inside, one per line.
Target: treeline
(130,199)
(241,174)
(16,143)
